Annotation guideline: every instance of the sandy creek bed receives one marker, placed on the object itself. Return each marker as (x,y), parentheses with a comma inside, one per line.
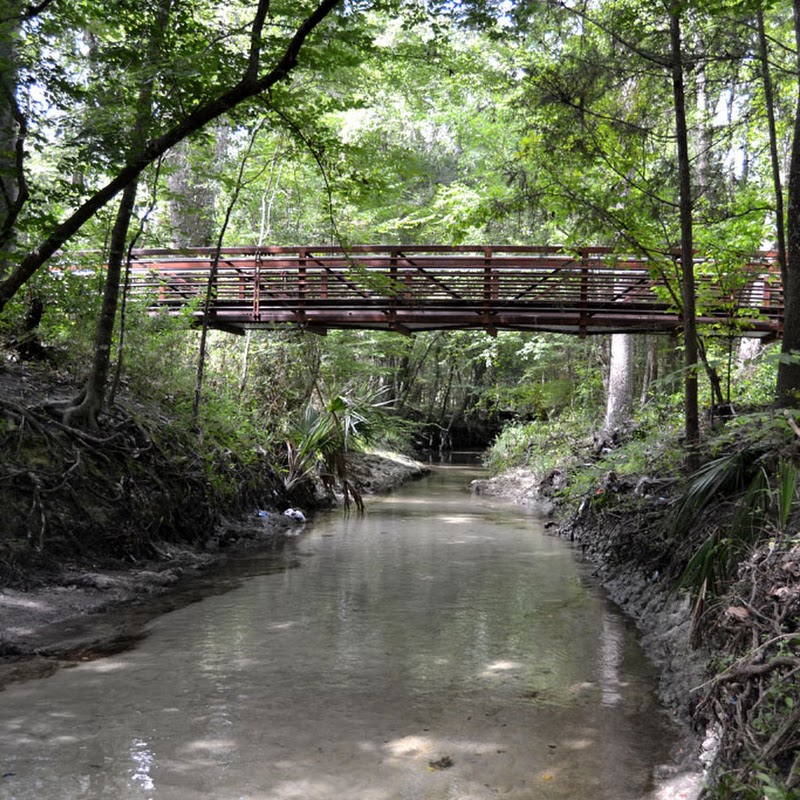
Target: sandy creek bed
(439,647)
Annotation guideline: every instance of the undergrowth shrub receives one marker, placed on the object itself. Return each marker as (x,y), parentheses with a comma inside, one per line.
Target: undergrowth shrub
(540,446)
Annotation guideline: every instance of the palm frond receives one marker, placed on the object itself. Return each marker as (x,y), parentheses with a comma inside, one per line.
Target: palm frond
(725,474)
(787,492)
(323,435)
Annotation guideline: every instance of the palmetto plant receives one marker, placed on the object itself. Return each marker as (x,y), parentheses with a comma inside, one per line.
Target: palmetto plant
(763,506)
(319,442)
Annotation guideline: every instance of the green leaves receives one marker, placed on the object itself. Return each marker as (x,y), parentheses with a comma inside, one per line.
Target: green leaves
(323,436)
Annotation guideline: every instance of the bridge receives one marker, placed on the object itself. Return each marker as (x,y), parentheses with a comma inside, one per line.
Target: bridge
(423,288)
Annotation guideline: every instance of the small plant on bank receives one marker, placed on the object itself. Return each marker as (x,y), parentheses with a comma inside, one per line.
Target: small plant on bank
(539,446)
(319,442)
(761,494)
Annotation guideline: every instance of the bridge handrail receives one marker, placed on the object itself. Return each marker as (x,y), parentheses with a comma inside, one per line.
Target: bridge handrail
(476,279)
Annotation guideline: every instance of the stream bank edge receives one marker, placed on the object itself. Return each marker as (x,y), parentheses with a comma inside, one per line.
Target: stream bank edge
(633,580)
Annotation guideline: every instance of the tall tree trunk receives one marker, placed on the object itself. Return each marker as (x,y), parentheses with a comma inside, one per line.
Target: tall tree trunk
(703,137)
(86,407)
(9,130)
(191,205)
(211,287)
(620,382)
(619,397)
(650,368)
(691,409)
(769,102)
(788,385)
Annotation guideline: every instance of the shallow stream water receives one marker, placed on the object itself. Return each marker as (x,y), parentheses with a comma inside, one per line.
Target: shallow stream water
(438,647)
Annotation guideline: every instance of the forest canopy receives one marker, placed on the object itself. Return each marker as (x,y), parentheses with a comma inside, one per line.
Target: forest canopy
(653,128)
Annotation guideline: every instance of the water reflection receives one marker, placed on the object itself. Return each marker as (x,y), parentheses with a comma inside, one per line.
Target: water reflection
(453,654)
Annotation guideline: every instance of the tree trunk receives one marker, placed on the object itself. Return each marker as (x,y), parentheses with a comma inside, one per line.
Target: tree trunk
(211,287)
(703,138)
(85,408)
(691,409)
(9,130)
(620,382)
(769,102)
(619,396)
(747,356)
(788,385)
(650,368)
(191,205)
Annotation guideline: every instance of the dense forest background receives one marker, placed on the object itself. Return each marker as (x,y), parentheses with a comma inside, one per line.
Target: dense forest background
(668,130)
(647,127)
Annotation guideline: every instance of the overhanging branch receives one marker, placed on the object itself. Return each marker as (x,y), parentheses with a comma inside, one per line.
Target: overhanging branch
(227,100)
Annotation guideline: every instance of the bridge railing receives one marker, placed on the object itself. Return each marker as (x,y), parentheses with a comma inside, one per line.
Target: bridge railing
(254,282)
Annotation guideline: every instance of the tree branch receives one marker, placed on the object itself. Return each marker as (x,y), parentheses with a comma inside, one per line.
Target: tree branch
(227,100)
(254,57)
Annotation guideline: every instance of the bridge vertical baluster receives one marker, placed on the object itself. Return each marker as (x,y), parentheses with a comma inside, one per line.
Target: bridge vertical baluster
(241,282)
(257,288)
(584,293)
(302,282)
(393,273)
(323,280)
(394,283)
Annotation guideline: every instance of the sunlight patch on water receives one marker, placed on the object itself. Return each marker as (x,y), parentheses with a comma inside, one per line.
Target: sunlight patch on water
(500,666)
(282,626)
(209,746)
(106,665)
(143,758)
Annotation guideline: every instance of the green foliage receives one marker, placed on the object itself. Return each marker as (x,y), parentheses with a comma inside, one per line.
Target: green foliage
(724,475)
(538,446)
(319,441)
(763,494)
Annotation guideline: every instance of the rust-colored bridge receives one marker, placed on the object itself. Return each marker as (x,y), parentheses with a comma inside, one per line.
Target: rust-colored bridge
(420,288)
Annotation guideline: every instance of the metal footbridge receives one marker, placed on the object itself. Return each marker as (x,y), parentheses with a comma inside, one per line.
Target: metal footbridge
(422,288)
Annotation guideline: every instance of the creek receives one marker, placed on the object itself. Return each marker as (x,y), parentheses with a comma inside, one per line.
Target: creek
(440,646)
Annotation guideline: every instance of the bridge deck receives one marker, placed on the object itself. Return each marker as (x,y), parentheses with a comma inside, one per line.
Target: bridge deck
(410,289)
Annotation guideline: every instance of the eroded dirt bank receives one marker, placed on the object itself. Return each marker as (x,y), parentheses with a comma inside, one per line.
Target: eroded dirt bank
(100,531)
(85,610)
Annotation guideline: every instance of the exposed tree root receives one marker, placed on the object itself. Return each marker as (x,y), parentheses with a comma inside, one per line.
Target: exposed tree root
(116,493)
(755,699)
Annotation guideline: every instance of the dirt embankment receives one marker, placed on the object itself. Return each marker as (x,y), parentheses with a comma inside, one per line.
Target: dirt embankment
(102,531)
(86,609)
